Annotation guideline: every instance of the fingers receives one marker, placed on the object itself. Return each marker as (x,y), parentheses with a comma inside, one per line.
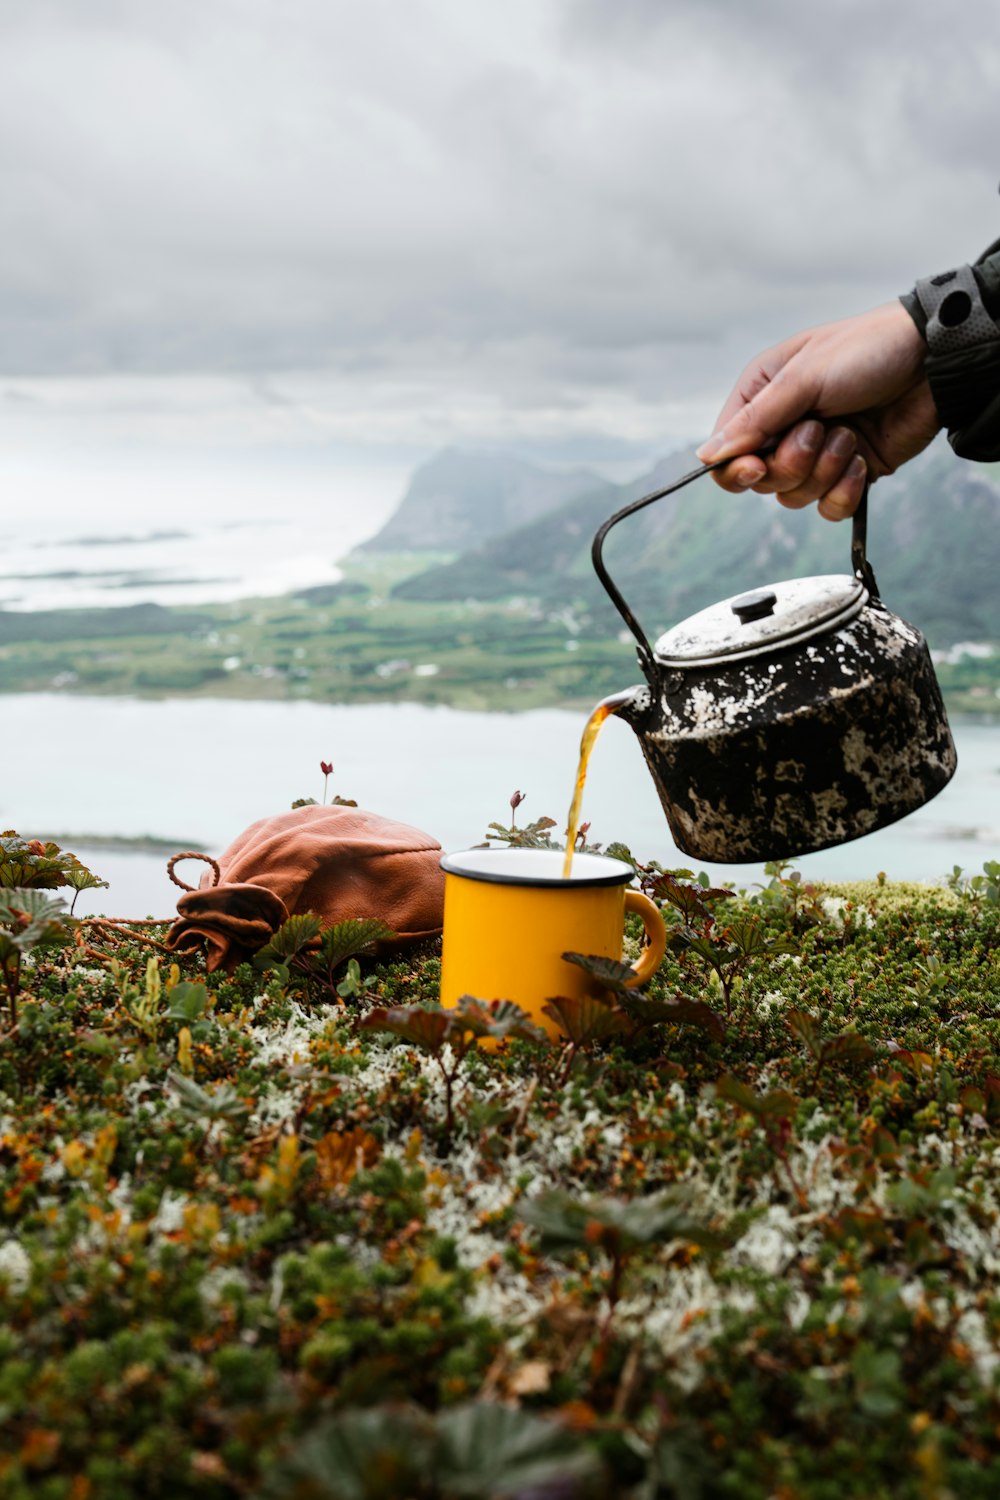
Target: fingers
(809,464)
(830,459)
(789,469)
(788,394)
(794,460)
(844,498)
(742,474)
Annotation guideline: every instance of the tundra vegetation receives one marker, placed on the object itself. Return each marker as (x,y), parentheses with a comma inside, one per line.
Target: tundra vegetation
(290,1232)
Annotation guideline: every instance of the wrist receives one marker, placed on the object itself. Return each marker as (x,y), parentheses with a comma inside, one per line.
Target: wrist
(962,361)
(955,314)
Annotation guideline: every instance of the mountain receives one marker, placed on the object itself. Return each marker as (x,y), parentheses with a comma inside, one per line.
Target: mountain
(933,539)
(461,498)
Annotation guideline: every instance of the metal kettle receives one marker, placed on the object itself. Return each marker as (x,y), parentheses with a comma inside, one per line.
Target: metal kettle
(788,719)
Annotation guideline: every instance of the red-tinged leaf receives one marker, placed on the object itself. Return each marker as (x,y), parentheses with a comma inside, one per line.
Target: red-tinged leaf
(920,1063)
(867,1227)
(777,1104)
(611,972)
(585,1019)
(734,1092)
(713,953)
(802,1025)
(848,1047)
(690,900)
(497,1019)
(919,1245)
(884,1144)
(678,1012)
(427,1029)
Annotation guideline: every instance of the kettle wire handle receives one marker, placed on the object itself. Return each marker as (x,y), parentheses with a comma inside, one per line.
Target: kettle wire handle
(859,559)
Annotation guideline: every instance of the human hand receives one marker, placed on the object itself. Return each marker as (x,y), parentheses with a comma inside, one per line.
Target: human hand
(867,370)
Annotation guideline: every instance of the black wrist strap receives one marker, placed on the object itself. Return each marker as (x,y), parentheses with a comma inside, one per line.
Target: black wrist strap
(952,303)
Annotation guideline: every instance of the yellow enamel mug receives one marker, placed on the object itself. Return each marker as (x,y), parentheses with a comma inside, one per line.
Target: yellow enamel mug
(509,916)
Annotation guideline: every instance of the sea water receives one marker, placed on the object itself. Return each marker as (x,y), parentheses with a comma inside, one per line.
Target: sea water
(196,772)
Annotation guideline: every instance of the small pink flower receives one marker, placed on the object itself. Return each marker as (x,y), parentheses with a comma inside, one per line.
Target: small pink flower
(516,800)
(326,766)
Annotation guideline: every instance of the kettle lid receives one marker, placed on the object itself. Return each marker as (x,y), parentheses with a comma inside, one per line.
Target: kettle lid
(764,620)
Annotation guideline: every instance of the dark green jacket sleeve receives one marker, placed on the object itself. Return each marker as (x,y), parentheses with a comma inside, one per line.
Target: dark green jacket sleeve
(964,374)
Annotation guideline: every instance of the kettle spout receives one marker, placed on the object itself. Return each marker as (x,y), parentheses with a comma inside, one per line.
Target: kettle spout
(632,705)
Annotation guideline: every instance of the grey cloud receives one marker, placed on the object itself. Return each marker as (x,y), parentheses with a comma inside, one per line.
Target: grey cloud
(252,187)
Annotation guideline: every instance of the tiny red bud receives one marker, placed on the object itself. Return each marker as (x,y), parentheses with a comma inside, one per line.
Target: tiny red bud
(516,800)
(326,766)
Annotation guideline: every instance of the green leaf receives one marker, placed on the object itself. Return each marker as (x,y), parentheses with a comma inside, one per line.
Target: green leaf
(220,1103)
(485,1449)
(97,1043)
(35,918)
(79,878)
(584,1019)
(478,1451)
(567,1223)
(187,1002)
(292,938)
(28,863)
(352,936)
(10,953)
(350,985)
(749,939)
(622,852)
(358,1455)
(878,1387)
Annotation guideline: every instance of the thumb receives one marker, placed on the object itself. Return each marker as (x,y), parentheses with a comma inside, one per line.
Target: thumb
(783,401)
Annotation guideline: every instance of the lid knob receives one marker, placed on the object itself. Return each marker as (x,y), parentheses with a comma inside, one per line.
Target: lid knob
(754,606)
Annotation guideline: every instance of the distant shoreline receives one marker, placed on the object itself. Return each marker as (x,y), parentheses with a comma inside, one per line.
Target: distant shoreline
(146,843)
(358,642)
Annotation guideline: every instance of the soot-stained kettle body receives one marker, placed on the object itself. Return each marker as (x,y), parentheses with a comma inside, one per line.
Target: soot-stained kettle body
(788,719)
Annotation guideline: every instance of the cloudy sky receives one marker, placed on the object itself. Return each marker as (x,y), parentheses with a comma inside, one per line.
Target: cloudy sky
(299,228)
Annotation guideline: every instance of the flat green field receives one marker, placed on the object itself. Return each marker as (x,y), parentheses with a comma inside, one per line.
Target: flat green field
(355,643)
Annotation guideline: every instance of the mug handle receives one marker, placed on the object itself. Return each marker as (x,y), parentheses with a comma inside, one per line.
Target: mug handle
(656,933)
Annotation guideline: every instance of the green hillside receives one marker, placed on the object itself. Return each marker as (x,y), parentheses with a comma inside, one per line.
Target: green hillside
(933,540)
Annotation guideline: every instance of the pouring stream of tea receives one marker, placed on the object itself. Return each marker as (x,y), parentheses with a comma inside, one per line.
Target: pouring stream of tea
(591,730)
